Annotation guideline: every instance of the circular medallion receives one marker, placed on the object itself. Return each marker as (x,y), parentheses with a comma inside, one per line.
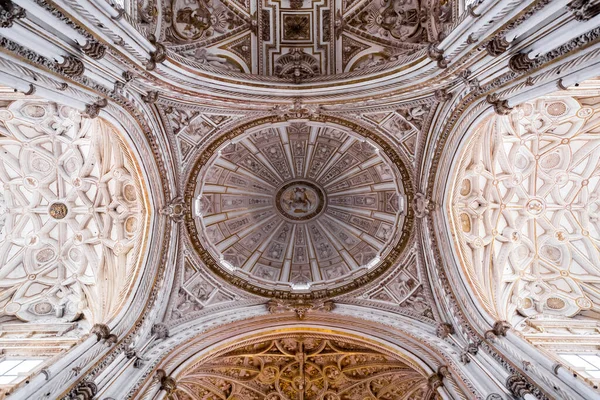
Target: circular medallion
(535,207)
(300,200)
(58,210)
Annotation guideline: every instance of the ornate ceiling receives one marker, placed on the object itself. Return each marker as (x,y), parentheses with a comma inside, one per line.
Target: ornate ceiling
(300,39)
(332,165)
(305,366)
(299,206)
(73,215)
(525,208)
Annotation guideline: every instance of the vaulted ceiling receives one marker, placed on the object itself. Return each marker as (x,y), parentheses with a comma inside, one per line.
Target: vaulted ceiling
(299,39)
(73,217)
(303,366)
(301,206)
(525,208)
(180,175)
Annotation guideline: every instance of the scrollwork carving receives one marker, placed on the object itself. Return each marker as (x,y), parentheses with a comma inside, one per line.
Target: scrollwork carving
(518,386)
(71,66)
(94,49)
(300,308)
(501,107)
(497,46)
(584,10)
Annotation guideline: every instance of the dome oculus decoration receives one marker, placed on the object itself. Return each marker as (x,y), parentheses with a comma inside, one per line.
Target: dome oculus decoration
(298,207)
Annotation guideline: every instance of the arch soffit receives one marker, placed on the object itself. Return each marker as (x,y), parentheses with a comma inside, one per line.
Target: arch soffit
(186,346)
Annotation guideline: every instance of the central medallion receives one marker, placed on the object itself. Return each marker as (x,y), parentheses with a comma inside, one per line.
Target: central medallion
(58,210)
(300,200)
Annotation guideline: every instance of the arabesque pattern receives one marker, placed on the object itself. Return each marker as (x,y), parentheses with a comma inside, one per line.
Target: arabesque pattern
(73,215)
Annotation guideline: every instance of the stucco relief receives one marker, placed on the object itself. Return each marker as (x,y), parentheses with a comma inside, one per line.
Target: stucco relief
(524,209)
(295,39)
(73,211)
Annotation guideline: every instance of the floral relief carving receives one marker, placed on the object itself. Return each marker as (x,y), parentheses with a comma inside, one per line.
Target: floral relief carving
(296,40)
(73,215)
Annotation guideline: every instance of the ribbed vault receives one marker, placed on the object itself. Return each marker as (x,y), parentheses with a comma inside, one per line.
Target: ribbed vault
(525,208)
(300,207)
(73,215)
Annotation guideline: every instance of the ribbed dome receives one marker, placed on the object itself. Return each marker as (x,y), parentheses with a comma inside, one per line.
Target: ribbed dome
(299,206)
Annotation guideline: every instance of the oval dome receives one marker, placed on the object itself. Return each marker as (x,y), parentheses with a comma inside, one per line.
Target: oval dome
(298,207)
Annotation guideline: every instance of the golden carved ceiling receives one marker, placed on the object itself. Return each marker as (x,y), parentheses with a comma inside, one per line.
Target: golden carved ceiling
(300,206)
(525,208)
(300,39)
(304,366)
(73,215)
